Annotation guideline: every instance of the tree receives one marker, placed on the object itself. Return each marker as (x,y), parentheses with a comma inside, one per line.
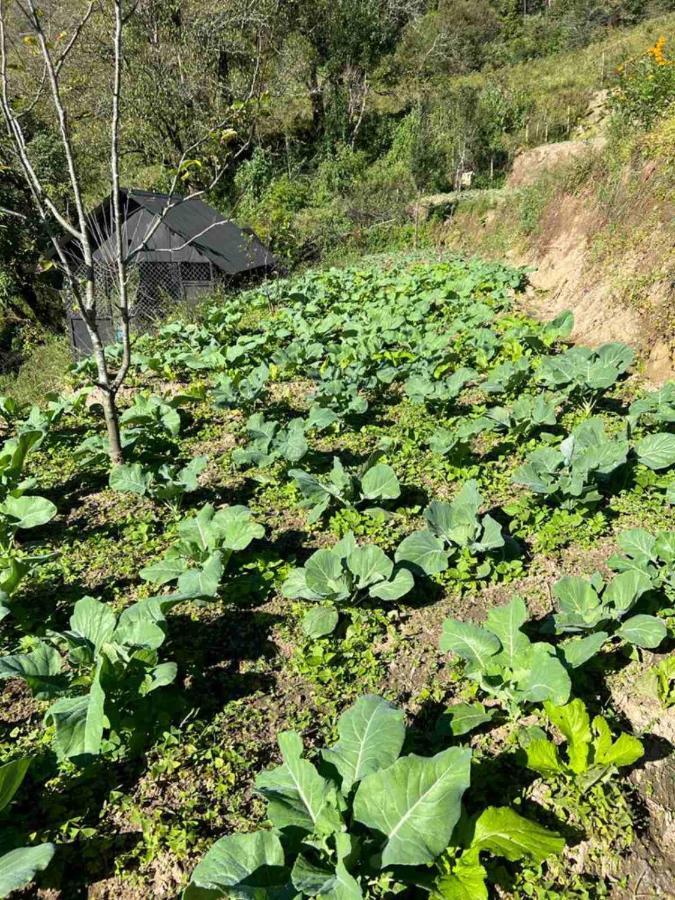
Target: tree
(41,45)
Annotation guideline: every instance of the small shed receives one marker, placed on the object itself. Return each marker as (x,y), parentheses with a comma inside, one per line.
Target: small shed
(179,249)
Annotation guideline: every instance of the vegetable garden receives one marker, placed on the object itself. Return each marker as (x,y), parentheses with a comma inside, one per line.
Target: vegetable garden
(352,618)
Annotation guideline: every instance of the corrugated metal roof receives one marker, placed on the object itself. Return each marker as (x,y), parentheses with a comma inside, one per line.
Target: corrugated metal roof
(227,246)
(190,230)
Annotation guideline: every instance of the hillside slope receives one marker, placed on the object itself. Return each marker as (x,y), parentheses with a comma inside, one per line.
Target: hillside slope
(598,229)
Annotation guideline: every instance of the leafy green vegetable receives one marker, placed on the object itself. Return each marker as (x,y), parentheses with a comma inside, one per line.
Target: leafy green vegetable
(572,473)
(166,482)
(112,664)
(19,866)
(591,752)
(366,810)
(452,526)
(205,545)
(373,481)
(586,371)
(344,575)
(504,662)
(595,606)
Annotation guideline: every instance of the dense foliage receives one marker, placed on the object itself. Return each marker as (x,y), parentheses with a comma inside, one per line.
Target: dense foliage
(449,446)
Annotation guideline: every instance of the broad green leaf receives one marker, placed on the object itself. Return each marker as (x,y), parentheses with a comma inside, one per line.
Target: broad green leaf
(415,804)
(143,624)
(464,717)
(579,603)
(664,546)
(543,757)
(624,590)
(164,571)
(317,880)
(575,724)
(401,584)
(320,621)
(236,527)
(505,833)
(491,535)
(239,866)
(94,621)
(369,564)
(298,796)
(295,587)
(203,582)
(467,881)
(623,752)
(371,735)
(457,522)
(40,669)
(637,542)
(11,776)
(130,478)
(423,549)
(19,867)
(577,651)
(79,722)
(657,451)
(325,575)
(506,622)
(29,511)
(158,677)
(471,642)
(643,631)
(380,483)
(546,679)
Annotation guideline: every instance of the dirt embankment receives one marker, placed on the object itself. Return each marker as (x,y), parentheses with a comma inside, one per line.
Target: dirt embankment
(617,276)
(600,239)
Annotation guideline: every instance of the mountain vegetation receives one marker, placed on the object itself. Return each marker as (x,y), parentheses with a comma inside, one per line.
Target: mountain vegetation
(358,582)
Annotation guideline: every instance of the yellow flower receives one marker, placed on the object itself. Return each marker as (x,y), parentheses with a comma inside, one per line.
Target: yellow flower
(657,52)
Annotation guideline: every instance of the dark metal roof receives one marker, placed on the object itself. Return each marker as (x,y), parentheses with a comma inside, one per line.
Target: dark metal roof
(190,230)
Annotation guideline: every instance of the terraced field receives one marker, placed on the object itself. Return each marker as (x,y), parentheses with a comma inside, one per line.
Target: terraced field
(380,603)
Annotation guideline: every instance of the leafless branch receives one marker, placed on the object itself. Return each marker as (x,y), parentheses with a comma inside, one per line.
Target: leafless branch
(63,56)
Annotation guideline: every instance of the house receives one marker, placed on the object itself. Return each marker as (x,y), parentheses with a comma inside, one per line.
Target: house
(177,249)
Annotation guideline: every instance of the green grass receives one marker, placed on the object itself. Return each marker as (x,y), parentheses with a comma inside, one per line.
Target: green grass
(42,370)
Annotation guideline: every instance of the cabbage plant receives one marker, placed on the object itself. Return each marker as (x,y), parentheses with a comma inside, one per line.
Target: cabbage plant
(19,511)
(361,812)
(424,389)
(526,414)
(653,555)
(585,372)
(206,542)
(19,865)
(340,394)
(100,670)
(11,410)
(593,606)
(591,754)
(372,481)
(270,441)
(153,414)
(504,662)
(507,377)
(166,482)
(655,407)
(241,389)
(342,576)
(571,473)
(451,527)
